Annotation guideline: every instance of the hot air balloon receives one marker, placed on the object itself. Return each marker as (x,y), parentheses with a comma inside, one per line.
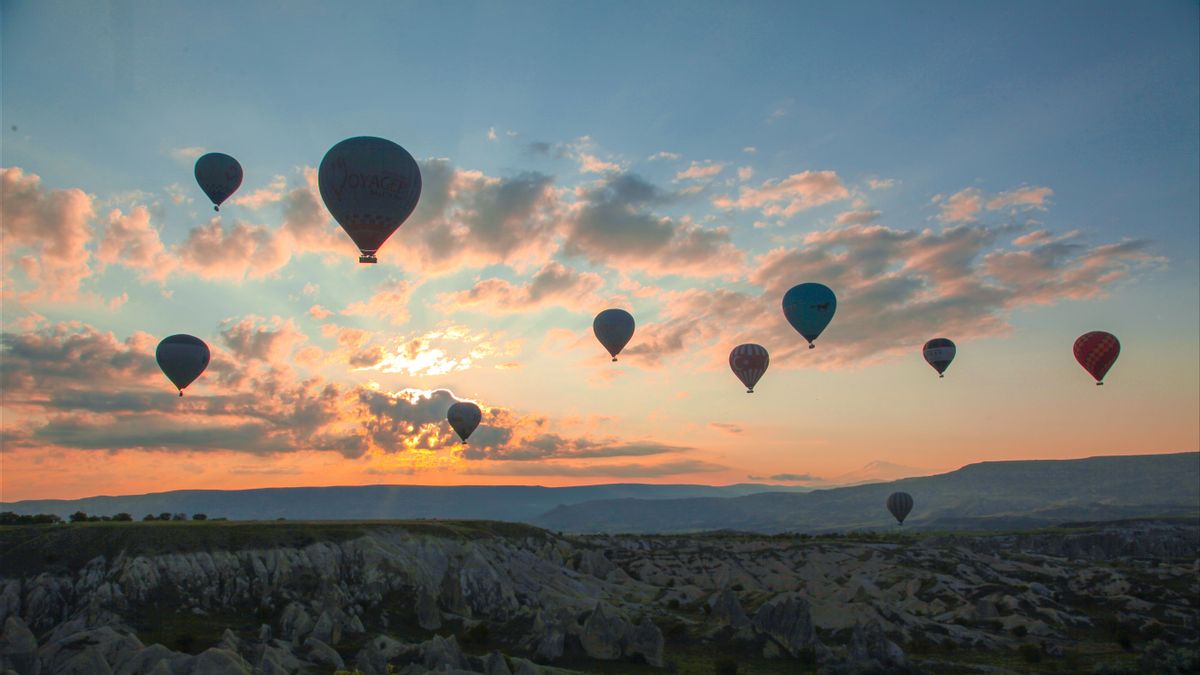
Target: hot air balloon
(1096,351)
(939,352)
(613,328)
(809,307)
(370,185)
(464,417)
(182,358)
(900,503)
(219,175)
(749,362)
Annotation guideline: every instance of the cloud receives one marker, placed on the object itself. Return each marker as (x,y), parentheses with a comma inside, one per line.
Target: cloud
(390,301)
(613,223)
(266,340)
(750,150)
(796,478)
(445,349)
(726,427)
(590,470)
(554,284)
(705,170)
(859,217)
(787,197)
(1031,197)
(190,152)
(131,241)
(664,155)
(45,236)
(491,133)
(270,194)
(213,251)
(589,163)
(881,183)
(177,194)
(319,313)
(745,173)
(965,205)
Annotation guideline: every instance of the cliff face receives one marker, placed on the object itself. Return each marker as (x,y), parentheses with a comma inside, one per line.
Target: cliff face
(422,598)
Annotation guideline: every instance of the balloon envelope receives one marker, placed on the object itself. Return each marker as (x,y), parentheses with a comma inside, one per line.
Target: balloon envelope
(939,352)
(809,308)
(900,504)
(219,175)
(1096,352)
(182,358)
(464,417)
(370,185)
(749,362)
(614,329)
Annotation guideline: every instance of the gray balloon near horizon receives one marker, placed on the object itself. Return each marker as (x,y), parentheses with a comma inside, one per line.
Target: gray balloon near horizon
(219,175)
(900,504)
(182,359)
(464,417)
(371,186)
(614,330)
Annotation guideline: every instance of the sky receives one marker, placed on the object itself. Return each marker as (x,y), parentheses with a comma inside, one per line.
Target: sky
(1006,175)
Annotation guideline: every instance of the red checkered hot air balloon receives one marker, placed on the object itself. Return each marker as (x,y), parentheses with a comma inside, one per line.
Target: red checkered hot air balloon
(1096,351)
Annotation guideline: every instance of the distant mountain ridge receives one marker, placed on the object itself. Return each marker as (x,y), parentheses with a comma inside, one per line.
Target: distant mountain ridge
(500,502)
(878,471)
(986,495)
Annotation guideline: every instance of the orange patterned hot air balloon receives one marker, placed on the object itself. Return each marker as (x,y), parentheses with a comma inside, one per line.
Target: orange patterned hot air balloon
(1096,351)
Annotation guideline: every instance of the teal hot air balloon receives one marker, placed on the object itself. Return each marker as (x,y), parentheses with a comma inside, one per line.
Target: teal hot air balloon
(182,358)
(219,175)
(614,329)
(464,417)
(371,186)
(809,308)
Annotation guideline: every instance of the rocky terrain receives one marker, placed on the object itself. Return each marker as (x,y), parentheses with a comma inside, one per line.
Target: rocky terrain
(479,597)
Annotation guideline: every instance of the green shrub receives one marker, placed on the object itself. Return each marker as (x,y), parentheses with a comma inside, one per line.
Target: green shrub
(726,666)
(1030,653)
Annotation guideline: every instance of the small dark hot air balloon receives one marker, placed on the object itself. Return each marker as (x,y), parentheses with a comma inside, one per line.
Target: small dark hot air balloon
(939,352)
(371,186)
(809,308)
(1096,352)
(900,504)
(749,362)
(614,329)
(182,358)
(464,417)
(219,175)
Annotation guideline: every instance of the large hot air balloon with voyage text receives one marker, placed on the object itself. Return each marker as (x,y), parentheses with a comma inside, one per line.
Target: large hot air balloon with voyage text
(182,359)
(464,417)
(1096,352)
(614,330)
(219,175)
(809,308)
(749,362)
(371,186)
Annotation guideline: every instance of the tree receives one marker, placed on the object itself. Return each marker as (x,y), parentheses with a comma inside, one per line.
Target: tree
(79,517)
(179,516)
(164,516)
(150,516)
(199,516)
(123,517)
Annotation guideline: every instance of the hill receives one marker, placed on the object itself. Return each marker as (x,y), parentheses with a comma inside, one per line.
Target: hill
(987,495)
(516,503)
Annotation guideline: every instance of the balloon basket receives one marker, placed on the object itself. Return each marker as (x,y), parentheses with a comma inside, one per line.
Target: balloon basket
(749,391)
(368,259)
(811,346)
(614,359)
(1099,384)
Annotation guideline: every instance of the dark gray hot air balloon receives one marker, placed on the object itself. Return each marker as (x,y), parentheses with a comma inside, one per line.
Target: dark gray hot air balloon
(809,308)
(371,186)
(939,352)
(464,417)
(219,175)
(182,359)
(614,329)
(900,504)
(749,362)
